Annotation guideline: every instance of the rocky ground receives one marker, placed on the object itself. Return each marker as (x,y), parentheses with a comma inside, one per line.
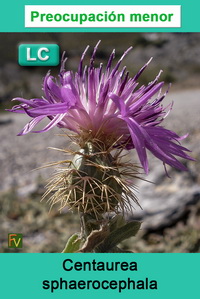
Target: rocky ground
(171,206)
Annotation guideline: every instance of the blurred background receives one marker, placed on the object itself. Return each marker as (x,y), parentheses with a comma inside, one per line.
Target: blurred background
(171,206)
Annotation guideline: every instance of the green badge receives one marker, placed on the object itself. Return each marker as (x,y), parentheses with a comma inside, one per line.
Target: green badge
(38,54)
(15,240)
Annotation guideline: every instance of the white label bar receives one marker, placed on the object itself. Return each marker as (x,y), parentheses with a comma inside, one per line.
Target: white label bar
(102,16)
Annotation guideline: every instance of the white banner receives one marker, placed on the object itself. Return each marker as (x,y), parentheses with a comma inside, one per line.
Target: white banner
(102,16)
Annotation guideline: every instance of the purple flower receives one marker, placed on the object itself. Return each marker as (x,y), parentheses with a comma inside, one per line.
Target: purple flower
(107,105)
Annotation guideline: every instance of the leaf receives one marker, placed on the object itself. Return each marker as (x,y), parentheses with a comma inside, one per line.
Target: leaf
(73,244)
(116,222)
(95,238)
(119,250)
(120,234)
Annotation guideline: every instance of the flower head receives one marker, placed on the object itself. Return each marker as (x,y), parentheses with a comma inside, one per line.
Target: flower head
(107,105)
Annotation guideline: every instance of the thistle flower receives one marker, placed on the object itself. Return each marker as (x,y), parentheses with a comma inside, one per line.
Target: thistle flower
(106,110)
